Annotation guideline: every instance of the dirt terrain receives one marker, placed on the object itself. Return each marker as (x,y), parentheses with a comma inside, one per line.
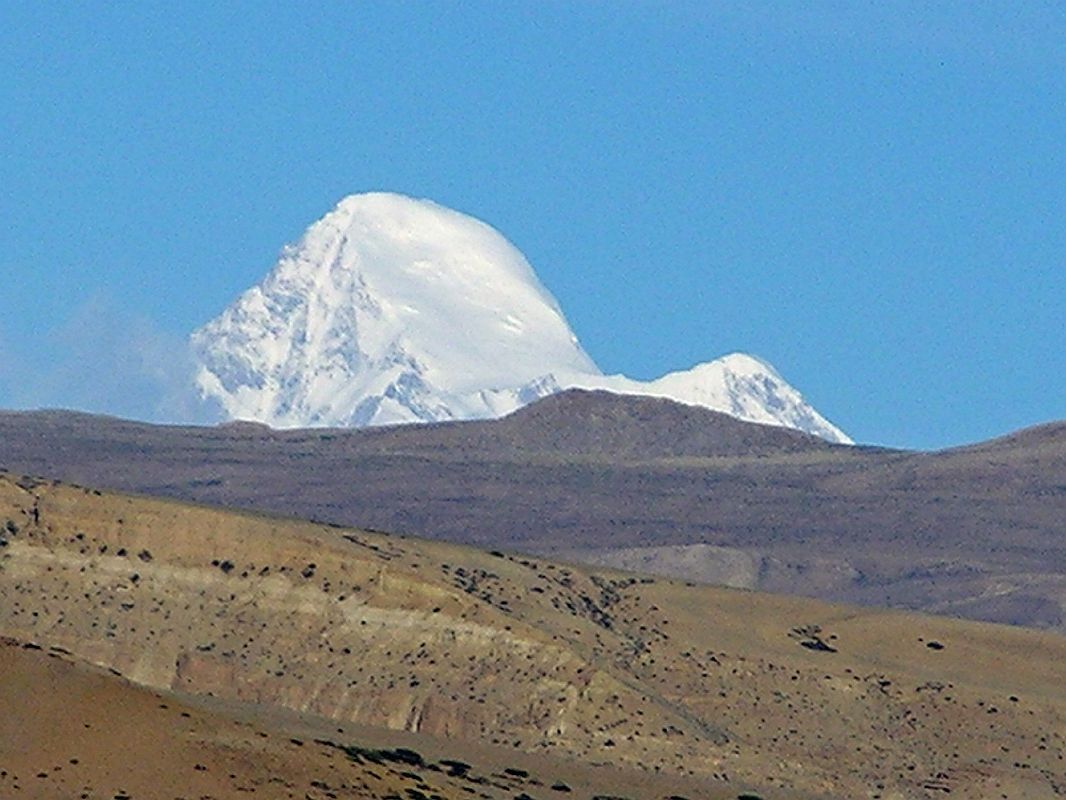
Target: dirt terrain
(70,730)
(975,532)
(737,691)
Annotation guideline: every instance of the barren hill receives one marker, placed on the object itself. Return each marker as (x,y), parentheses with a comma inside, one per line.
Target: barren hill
(734,689)
(636,483)
(72,731)
(600,425)
(69,729)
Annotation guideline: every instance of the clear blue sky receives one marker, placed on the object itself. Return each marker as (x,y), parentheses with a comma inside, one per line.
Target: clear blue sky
(871,196)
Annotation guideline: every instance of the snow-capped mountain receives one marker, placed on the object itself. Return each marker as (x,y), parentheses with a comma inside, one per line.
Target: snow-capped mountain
(388,310)
(738,384)
(391,309)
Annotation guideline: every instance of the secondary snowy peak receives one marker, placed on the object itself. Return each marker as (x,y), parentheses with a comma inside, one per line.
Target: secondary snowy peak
(391,309)
(738,384)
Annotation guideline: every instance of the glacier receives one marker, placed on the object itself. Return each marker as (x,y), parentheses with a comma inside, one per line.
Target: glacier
(392,310)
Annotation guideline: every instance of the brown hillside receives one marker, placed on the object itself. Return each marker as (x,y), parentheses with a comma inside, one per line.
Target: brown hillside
(635,483)
(72,731)
(601,425)
(787,695)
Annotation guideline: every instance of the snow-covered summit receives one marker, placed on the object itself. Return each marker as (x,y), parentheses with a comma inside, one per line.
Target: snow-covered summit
(391,309)
(738,384)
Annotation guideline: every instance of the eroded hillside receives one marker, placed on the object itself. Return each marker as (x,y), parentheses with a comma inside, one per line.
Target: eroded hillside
(631,483)
(738,688)
(72,731)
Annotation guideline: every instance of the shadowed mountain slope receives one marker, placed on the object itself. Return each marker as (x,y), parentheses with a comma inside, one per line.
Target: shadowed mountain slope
(635,483)
(730,688)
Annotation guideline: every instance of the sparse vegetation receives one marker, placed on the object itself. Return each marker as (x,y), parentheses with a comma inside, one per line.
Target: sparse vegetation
(429,636)
(810,636)
(456,769)
(399,755)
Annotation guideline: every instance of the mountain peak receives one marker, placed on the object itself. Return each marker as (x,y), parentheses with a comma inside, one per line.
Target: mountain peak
(741,363)
(388,309)
(391,309)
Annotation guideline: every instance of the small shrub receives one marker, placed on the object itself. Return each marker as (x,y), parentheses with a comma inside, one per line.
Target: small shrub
(404,756)
(401,755)
(456,769)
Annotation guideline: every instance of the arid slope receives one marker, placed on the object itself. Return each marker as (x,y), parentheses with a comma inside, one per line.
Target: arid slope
(636,483)
(69,730)
(735,688)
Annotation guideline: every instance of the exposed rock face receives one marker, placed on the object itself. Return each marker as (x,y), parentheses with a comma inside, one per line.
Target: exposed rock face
(355,627)
(475,646)
(69,729)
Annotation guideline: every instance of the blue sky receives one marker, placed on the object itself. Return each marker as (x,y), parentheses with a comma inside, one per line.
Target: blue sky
(870,196)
